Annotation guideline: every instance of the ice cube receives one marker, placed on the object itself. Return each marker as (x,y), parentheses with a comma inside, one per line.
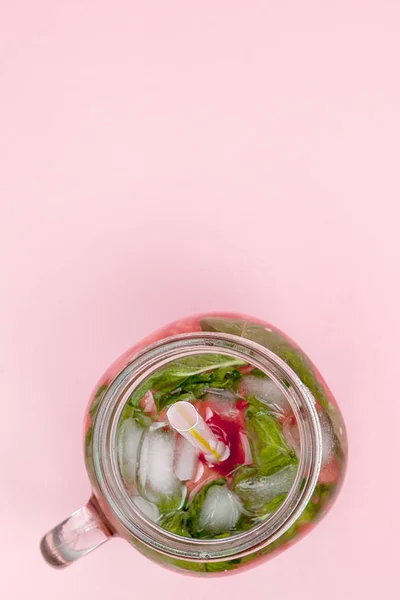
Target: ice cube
(148,404)
(129,437)
(266,390)
(149,509)
(222,402)
(328,438)
(257,490)
(186,459)
(157,480)
(291,432)
(203,476)
(209,414)
(158,425)
(220,511)
(199,472)
(246,447)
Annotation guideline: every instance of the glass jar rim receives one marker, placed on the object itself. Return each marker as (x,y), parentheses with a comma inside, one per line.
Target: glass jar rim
(109,479)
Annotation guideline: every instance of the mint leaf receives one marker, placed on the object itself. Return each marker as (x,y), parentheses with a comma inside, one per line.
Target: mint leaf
(245,329)
(267,443)
(277,343)
(97,399)
(226,565)
(225,378)
(88,438)
(301,365)
(176,523)
(258,373)
(137,413)
(196,386)
(186,375)
(272,506)
(322,494)
(185,565)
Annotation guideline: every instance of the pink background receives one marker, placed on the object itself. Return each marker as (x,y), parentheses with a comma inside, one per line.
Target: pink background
(163,158)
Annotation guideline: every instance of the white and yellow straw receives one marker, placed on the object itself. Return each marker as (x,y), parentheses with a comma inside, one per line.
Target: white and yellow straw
(185,419)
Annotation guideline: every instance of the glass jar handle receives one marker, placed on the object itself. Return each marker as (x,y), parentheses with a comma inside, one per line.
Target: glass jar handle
(75,537)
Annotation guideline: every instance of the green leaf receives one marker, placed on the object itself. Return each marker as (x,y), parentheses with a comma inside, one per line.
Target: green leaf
(137,413)
(267,443)
(176,523)
(185,565)
(226,565)
(168,379)
(198,363)
(196,386)
(244,329)
(277,343)
(321,495)
(225,378)
(258,373)
(179,395)
(88,438)
(171,502)
(97,399)
(272,506)
(301,365)
(246,522)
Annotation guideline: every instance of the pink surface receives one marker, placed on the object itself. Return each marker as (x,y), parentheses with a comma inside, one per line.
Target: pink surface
(165,158)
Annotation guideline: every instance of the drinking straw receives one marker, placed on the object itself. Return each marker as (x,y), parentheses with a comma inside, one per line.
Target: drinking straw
(185,419)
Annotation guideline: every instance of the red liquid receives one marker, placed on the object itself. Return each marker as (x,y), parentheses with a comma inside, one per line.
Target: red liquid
(228,430)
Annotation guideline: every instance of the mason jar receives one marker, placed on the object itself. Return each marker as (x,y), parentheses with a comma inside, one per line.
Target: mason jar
(211,446)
